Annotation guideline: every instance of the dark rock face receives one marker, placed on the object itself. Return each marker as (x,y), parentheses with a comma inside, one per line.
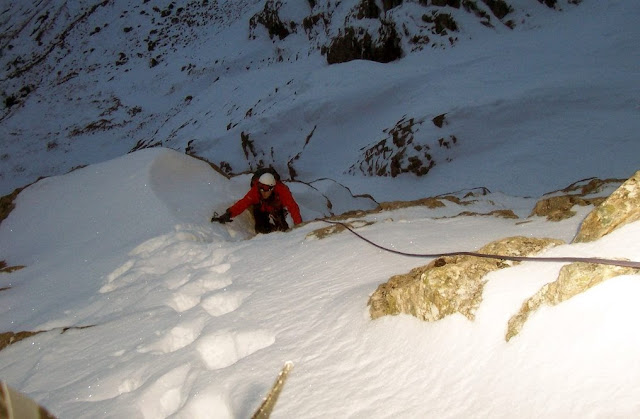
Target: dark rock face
(359,44)
(270,19)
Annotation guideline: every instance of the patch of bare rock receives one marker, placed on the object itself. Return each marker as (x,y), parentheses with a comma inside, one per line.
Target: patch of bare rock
(455,284)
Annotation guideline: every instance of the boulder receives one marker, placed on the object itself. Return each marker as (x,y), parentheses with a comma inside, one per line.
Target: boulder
(620,208)
(451,284)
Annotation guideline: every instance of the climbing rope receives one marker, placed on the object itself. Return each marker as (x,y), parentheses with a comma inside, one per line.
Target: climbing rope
(624,263)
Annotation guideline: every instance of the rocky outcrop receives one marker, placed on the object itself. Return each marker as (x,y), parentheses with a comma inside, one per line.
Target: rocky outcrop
(573,279)
(322,233)
(434,24)
(406,150)
(558,205)
(553,4)
(359,44)
(4,268)
(622,207)
(449,285)
(557,208)
(9,338)
(455,284)
(499,8)
(270,19)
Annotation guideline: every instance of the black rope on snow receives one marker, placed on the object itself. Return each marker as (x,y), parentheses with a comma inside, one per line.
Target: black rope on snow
(624,263)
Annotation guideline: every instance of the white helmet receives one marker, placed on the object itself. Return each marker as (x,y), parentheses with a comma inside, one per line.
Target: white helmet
(267,179)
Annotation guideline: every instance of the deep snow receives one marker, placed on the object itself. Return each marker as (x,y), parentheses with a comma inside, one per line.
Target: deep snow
(192,319)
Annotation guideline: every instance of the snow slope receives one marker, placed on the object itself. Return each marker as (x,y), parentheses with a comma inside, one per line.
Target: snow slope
(192,319)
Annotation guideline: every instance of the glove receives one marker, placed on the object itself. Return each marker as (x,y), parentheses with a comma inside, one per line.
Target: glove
(224,218)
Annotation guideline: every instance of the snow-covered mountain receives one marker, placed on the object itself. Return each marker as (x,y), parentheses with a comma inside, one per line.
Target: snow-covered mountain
(248,82)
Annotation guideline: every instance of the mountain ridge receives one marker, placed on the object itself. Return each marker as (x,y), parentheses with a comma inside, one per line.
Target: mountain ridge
(111,77)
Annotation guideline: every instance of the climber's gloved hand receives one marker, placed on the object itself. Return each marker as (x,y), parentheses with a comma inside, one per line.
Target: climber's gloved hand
(224,218)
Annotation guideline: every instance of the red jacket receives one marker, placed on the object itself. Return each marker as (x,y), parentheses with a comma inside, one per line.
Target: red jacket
(280,197)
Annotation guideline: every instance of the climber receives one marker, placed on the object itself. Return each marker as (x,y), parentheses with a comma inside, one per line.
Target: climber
(269,200)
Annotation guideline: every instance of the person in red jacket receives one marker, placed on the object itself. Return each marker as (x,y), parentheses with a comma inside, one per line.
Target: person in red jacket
(268,199)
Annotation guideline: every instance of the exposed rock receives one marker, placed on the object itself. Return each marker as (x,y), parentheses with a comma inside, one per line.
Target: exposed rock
(449,285)
(622,207)
(572,280)
(503,213)
(499,8)
(439,120)
(270,19)
(9,338)
(559,204)
(7,203)
(368,9)
(426,202)
(4,268)
(431,202)
(558,208)
(322,233)
(442,22)
(442,3)
(404,150)
(390,4)
(589,186)
(548,3)
(359,44)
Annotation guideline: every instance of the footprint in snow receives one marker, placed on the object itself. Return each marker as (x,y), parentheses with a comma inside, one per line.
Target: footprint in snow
(177,338)
(164,396)
(222,349)
(223,302)
(186,273)
(190,294)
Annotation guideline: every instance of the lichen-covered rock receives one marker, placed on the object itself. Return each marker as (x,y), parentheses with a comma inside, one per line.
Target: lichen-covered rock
(426,202)
(557,208)
(449,285)
(572,280)
(501,213)
(324,232)
(622,207)
(559,205)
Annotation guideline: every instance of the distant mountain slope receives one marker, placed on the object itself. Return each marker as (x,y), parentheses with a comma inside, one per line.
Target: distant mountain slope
(85,81)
